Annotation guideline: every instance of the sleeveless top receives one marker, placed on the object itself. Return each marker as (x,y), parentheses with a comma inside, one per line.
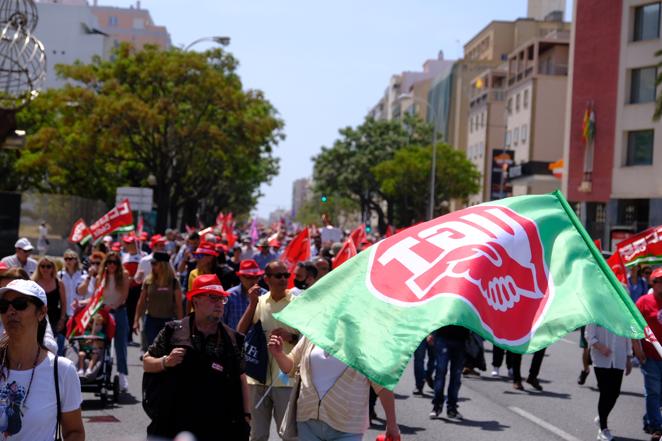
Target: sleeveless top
(54,306)
(160,300)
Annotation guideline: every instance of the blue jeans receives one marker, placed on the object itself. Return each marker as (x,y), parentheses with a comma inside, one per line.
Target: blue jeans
(316,430)
(652,371)
(120,340)
(448,352)
(153,326)
(60,338)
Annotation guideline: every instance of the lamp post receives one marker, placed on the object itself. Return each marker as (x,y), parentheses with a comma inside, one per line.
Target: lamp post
(433,171)
(223,41)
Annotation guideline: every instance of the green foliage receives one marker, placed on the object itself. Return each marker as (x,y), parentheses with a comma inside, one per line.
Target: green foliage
(335,207)
(346,168)
(181,116)
(405,180)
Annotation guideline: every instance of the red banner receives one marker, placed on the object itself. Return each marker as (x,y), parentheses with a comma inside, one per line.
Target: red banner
(297,251)
(347,251)
(79,231)
(644,248)
(118,217)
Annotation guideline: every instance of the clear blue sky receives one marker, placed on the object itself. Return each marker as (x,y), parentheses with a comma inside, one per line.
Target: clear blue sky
(324,64)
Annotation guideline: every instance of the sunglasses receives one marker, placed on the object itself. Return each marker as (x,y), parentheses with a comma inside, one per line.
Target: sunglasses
(216,299)
(19,304)
(70,258)
(46,266)
(280,275)
(95,263)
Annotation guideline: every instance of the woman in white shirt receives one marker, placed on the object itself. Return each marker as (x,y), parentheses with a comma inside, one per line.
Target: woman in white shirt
(28,395)
(611,355)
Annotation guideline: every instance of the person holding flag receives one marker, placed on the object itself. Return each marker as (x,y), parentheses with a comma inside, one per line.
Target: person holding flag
(650,306)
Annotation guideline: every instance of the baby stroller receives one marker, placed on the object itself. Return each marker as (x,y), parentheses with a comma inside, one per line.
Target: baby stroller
(100,379)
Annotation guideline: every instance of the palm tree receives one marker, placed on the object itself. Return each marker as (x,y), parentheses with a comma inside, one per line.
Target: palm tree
(658,82)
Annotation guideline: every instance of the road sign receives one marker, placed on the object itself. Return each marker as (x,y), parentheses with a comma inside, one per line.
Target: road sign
(140,198)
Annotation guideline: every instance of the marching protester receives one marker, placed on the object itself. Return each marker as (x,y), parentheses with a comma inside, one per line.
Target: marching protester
(249,274)
(423,373)
(534,370)
(449,342)
(48,280)
(72,275)
(158,245)
(205,256)
(611,355)
(332,403)
(272,394)
(29,373)
(115,293)
(264,255)
(225,272)
(130,260)
(305,275)
(160,299)
(21,259)
(197,371)
(650,360)
(637,283)
(323,266)
(88,284)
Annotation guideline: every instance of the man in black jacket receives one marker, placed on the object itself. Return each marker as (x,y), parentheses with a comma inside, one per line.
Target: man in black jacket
(194,372)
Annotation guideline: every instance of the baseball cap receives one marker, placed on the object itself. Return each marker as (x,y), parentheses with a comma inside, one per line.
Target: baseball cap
(24,244)
(25,287)
(207,284)
(249,268)
(656,274)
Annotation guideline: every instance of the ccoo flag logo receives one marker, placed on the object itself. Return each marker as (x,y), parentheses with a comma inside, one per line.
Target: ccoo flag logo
(488,256)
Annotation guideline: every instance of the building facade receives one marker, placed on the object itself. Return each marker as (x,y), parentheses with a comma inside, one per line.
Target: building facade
(132,25)
(615,174)
(301,193)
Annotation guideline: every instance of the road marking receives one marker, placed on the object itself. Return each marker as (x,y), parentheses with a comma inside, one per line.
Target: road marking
(544,424)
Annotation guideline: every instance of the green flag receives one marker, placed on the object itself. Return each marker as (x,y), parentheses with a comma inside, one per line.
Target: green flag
(521,272)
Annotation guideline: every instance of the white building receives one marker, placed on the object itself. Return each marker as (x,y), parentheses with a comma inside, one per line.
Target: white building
(70,32)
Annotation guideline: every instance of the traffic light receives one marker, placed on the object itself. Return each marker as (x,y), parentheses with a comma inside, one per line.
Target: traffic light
(324,199)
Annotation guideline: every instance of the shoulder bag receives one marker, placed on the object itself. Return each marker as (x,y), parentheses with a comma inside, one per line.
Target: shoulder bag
(58,423)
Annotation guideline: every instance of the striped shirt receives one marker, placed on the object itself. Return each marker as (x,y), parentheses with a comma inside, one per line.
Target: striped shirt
(344,407)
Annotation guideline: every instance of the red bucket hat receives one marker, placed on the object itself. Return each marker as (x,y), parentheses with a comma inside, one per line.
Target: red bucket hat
(249,268)
(207,248)
(156,239)
(656,274)
(207,284)
(129,239)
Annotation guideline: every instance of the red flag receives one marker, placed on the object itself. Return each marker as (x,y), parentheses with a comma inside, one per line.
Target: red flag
(347,251)
(118,217)
(220,220)
(358,236)
(616,264)
(79,232)
(141,225)
(598,244)
(643,248)
(83,317)
(297,251)
(228,231)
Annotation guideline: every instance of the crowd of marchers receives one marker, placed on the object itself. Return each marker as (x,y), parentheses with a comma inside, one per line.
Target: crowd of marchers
(219,365)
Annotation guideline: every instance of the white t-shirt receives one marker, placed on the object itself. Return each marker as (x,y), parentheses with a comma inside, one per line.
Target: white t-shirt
(39,417)
(71,283)
(325,370)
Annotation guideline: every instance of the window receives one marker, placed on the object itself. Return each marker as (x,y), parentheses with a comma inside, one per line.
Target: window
(526,99)
(508,138)
(516,135)
(524,133)
(640,148)
(482,120)
(642,85)
(647,22)
(517,103)
(112,21)
(138,23)
(510,106)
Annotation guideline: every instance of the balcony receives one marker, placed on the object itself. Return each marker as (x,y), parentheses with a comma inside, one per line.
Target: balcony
(553,69)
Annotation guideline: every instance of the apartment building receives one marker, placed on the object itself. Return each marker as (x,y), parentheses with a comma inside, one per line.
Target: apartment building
(535,98)
(132,25)
(614,176)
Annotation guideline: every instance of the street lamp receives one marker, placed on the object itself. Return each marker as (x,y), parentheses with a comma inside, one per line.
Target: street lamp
(433,172)
(223,41)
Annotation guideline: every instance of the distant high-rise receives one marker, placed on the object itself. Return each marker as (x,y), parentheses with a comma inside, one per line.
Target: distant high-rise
(132,25)
(545,9)
(300,194)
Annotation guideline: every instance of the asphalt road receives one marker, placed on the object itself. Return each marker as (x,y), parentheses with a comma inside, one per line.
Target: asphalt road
(492,409)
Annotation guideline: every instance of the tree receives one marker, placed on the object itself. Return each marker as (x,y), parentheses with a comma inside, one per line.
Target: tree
(658,83)
(405,180)
(179,116)
(346,168)
(336,207)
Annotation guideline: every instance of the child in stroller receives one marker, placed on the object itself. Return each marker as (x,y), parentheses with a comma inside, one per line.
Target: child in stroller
(91,349)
